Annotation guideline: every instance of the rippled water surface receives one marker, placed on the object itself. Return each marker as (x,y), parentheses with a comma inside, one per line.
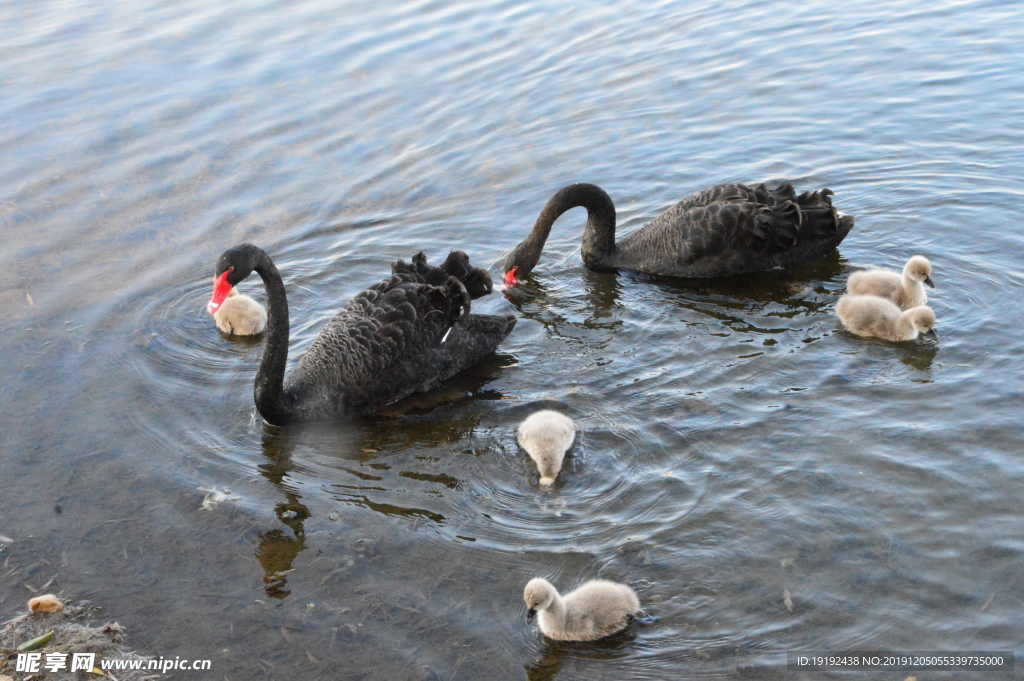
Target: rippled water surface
(734,443)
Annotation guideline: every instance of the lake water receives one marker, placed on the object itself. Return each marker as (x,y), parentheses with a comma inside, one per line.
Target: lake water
(734,443)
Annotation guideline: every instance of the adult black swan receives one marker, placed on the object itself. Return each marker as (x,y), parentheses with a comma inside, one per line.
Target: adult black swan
(402,335)
(726,230)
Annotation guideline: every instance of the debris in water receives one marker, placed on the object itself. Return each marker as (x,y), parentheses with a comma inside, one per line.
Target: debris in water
(213,499)
(5,540)
(37,642)
(65,632)
(787,600)
(47,603)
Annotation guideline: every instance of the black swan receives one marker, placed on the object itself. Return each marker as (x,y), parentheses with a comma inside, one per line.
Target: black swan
(402,335)
(726,230)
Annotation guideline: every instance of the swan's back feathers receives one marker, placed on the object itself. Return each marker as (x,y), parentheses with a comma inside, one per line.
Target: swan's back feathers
(404,334)
(787,218)
(476,280)
(733,229)
(868,315)
(602,606)
(732,193)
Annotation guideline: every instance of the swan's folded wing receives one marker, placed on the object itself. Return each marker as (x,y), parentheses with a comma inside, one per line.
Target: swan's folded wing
(411,316)
(376,345)
(775,222)
(687,237)
(476,280)
(736,193)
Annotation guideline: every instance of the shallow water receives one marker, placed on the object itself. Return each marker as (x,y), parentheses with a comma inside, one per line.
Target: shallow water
(734,442)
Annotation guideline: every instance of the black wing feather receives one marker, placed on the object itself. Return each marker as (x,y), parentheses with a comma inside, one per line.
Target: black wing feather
(387,342)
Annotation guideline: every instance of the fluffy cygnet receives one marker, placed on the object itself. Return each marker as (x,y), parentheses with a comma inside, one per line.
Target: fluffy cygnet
(240,315)
(546,435)
(874,316)
(906,290)
(597,609)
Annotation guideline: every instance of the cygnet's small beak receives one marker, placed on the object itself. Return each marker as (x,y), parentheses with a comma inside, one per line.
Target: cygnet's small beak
(933,334)
(928,280)
(530,614)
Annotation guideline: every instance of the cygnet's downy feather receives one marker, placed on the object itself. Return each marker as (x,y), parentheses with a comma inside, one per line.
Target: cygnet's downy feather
(905,290)
(596,609)
(240,315)
(546,435)
(878,317)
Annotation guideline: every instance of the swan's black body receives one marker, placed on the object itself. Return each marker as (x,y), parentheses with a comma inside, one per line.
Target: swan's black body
(726,230)
(402,335)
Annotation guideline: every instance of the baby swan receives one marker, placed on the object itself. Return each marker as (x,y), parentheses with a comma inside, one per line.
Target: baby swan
(596,609)
(874,316)
(546,435)
(906,290)
(240,315)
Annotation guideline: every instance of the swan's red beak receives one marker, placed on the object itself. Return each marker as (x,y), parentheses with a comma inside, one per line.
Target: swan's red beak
(221,289)
(510,277)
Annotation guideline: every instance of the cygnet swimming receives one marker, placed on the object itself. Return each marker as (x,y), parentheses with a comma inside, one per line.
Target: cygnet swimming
(546,436)
(874,316)
(240,315)
(906,290)
(596,609)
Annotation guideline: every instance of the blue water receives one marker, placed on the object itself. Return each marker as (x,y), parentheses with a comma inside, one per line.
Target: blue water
(734,443)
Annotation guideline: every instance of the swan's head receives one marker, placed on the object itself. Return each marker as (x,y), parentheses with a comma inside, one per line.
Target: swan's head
(521,261)
(923,319)
(539,594)
(233,265)
(919,269)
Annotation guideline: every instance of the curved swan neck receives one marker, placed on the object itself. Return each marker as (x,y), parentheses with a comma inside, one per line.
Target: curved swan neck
(913,289)
(905,328)
(910,285)
(555,613)
(269,388)
(598,238)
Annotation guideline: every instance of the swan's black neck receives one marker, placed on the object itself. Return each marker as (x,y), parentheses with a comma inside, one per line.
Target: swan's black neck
(269,389)
(598,238)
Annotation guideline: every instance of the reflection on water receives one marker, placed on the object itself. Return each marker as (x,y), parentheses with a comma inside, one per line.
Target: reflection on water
(549,662)
(277,549)
(734,443)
